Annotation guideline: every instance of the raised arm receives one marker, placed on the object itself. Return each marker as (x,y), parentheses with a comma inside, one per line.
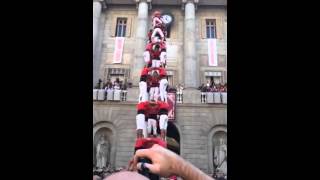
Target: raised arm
(166,163)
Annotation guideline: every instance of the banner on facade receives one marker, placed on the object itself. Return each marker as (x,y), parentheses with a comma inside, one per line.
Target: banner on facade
(212,52)
(172,106)
(118,50)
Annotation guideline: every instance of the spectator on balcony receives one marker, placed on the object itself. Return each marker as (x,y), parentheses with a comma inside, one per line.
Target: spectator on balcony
(116,84)
(203,88)
(218,87)
(180,88)
(121,85)
(225,87)
(116,81)
(214,89)
(98,85)
(108,84)
(208,84)
(124,87)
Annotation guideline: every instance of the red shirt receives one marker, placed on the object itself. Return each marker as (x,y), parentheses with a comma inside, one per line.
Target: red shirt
(163,105)
(149,47)
(142,105)
(145,71)
(152,109)
(162,45)
(154,81)
(155,54)
(162,71)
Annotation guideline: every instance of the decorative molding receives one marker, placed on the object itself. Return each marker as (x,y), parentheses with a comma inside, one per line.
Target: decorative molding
(147,1)
(103,3)
(184,2)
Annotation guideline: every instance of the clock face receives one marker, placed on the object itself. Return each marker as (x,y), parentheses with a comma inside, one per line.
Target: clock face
(167,19)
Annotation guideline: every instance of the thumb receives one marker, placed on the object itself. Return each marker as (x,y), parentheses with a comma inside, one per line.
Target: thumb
(153,168)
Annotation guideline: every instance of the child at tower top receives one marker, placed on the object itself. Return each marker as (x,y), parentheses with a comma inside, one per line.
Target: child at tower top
(156,20)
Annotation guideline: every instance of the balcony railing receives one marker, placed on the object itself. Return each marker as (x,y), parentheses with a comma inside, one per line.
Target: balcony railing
(109,95)
(214,97)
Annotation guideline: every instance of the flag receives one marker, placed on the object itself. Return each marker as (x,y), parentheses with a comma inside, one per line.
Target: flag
(171,97)
(212,52)
(118,50)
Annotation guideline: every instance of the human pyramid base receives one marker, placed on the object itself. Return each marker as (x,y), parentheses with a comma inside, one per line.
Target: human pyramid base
(152,109)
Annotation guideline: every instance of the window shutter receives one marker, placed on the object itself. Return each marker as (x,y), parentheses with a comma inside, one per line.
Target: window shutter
(129,24)
(203,28)
(113,26)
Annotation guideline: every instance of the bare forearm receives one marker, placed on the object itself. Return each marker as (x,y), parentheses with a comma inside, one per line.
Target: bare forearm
(187,171)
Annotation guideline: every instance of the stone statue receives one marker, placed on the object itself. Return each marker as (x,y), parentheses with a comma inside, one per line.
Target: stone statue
(220,156)
(102,152)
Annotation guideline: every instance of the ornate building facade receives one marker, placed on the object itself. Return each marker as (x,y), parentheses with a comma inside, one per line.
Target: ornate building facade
(198,128)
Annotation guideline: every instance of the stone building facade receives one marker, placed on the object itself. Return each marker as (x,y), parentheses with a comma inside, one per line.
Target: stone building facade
(196,124)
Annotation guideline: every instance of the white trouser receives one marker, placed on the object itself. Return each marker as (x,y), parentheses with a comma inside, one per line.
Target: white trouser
(163,122)
(144,131)
(157,31)
(156,63)
(155,39)
(163,87)
(146,56)
(140,119)
(163,57)
(143,95)
(152,123)
(154,93)
(156,21)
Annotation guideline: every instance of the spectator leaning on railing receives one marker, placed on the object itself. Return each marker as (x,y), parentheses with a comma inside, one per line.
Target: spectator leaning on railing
(98,85)
(108,84)
(116,84)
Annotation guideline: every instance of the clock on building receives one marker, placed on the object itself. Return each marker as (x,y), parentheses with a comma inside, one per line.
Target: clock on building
(167,18)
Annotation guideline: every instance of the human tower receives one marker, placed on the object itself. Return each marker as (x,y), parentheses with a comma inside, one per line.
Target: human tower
(152,109)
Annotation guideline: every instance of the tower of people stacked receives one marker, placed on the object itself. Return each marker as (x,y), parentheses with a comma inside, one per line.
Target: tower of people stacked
(152,109)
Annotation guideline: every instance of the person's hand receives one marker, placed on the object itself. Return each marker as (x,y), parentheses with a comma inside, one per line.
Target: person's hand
(164,162)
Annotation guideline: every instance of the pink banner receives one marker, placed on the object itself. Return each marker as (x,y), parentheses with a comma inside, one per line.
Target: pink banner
(172,106)
(212,52)
(118,50)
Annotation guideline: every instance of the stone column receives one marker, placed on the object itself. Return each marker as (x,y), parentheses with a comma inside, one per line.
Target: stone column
(191,69)
(97,8)
(140,41)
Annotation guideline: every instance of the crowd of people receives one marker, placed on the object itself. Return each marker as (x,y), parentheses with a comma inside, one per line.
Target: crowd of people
(212,87)
(116,85)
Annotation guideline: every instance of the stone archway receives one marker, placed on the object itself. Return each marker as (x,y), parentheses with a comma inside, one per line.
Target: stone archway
(216,133)
(107,130)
